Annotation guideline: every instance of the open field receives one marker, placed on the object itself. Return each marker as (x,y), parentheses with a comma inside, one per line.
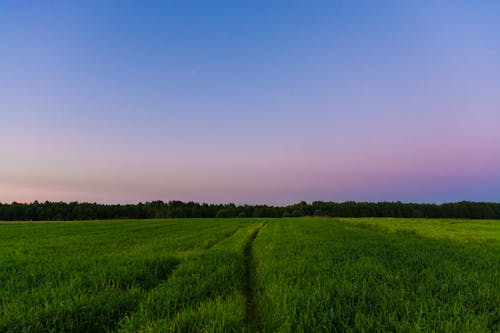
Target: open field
(270,275)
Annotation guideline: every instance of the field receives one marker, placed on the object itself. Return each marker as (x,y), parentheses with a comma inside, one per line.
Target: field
(269,275)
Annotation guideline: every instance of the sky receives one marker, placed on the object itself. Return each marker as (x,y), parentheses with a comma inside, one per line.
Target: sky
(249,101)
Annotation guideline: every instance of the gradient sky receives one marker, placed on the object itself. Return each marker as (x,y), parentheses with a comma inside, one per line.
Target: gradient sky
(249,101)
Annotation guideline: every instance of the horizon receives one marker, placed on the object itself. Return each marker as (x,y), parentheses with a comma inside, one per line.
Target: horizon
(246,204)
(268,103)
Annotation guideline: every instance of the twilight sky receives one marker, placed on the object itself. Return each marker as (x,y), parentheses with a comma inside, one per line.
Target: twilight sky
(249,101)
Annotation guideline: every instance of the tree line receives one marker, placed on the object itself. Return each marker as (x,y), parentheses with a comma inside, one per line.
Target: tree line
(62,211)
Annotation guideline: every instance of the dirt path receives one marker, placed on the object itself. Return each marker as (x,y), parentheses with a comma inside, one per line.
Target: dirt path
(249,279)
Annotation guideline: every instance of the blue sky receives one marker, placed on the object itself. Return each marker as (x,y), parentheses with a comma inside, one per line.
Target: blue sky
(274,102)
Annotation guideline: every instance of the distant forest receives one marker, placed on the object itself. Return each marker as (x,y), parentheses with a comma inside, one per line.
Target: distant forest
(61,211)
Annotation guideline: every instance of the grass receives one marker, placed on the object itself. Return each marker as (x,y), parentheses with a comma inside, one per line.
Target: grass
(237,275)
(469,231)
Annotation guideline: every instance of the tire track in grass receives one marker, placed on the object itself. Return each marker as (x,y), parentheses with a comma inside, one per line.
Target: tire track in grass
(209,244)
(249,279)
(212,244)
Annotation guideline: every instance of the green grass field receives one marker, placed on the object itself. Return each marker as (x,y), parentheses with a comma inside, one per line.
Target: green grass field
(233,275)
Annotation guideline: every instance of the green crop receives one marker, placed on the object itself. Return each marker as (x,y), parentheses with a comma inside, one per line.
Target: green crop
(234,275)
(329,275)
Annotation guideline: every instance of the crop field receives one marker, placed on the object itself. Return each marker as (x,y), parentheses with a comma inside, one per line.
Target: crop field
(251,275)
